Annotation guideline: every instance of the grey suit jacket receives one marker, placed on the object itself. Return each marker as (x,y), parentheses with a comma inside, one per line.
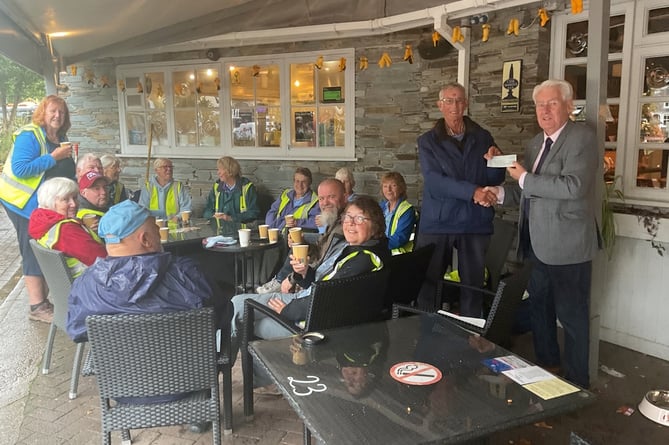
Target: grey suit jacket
(563,207)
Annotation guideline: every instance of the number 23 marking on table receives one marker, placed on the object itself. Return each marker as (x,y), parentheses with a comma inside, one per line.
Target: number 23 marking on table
(311,380)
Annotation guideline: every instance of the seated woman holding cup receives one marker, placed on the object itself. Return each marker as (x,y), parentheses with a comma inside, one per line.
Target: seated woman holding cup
(364,249)
(54,225)
(297,207)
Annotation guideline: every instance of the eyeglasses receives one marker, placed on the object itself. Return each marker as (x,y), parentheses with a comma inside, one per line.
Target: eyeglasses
(550,104)
(167,167)
(353,219)
(451,101)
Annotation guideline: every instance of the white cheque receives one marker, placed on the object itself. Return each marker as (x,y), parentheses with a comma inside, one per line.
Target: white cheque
(502,161)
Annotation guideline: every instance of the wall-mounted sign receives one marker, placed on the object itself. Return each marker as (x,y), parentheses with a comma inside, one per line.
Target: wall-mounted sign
(332,94)
(511,86)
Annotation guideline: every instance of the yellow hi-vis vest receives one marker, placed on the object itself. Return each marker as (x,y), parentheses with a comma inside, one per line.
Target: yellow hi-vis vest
(302,212)
(51,237)
(408,247)
(117,194)
(376,261)
(171,198)
(17,191)
(242,201)
(82,212)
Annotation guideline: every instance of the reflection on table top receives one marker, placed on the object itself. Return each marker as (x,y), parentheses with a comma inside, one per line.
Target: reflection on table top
(343,390)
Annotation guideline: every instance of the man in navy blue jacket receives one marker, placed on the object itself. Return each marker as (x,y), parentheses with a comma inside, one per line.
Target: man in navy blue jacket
(457,210)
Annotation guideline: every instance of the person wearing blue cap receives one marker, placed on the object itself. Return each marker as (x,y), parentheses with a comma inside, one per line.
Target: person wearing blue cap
(138,277)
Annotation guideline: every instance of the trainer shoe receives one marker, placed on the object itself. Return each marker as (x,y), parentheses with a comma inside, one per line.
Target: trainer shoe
(272,285)
(43,312)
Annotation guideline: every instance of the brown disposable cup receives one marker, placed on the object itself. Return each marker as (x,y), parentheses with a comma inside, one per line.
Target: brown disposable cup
(164,233)
(290,219)
(66,144)
(296,234)
(89,220)
(262,231)
(300,252)
(185,216)
(273,235)
(160,222)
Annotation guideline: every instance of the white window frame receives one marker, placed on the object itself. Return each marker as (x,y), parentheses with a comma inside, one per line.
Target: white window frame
(285,150)
(637,45)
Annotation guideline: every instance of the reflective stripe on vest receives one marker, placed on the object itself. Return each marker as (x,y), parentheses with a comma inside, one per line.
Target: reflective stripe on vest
(242,202)
(302,212)
(82,212)
(171,198)
(51,238)
(17,191)
(401,209)
(376,261)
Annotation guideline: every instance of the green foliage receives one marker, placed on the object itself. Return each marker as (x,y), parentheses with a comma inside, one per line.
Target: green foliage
(611,190)
(17,84)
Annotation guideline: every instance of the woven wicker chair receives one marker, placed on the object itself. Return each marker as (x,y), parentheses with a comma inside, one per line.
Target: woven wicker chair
(499,322)
(58,277)
(145,355)
(408,272)
(334,304)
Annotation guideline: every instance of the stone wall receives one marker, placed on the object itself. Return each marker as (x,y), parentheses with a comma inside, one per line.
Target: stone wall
(393,106)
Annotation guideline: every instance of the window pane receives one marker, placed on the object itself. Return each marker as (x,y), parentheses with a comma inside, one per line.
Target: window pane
(577,37)
(154,90)
(136,125)
(658,20)
(652,127)
(256,105)
(208,107)
(302,83)
(576,76)
(656,81)
(184,108)
(652,168)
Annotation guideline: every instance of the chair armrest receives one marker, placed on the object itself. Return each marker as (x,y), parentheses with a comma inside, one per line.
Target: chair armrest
(398,309)
(252,305)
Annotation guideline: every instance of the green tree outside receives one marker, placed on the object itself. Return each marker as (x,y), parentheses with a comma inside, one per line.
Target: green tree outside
(17,84)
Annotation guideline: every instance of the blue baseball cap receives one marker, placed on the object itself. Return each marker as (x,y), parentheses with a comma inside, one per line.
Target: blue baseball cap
(121,220)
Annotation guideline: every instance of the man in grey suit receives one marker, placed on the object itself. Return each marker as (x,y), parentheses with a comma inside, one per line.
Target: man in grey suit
(558,231)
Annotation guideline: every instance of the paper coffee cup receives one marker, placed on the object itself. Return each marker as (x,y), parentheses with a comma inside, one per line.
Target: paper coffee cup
(66,144)
(300,252)
(290,220)
(89,220)
(244,237)
(185,216)
(160,222)
(296,234)
(164,233)
(273,235)
(262,231)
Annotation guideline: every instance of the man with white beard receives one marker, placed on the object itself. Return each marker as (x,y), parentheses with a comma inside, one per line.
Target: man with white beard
(331,200)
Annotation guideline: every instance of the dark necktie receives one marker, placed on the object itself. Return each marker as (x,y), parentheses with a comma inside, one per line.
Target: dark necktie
(544,155)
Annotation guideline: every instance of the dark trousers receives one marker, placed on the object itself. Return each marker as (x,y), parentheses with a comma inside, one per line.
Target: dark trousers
(471,258)
(562,292)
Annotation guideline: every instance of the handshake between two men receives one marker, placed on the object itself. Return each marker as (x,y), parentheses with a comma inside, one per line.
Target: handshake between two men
(490,195)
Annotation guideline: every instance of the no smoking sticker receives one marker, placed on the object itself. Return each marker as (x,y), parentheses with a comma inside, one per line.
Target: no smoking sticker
(415,373)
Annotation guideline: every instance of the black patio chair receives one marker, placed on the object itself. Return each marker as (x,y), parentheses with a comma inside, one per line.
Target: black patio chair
(407,275)
(334,304)
(157,354)
(59,279)
(502,315)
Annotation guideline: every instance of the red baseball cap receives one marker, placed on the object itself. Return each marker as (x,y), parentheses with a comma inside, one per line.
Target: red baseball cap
(89,178)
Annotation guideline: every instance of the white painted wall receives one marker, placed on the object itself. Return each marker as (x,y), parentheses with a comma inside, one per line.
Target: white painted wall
(635,303)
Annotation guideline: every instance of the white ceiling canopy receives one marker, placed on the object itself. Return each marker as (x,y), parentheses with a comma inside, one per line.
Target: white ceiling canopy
(85,30)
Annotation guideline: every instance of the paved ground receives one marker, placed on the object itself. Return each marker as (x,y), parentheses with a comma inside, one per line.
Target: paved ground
(35,409)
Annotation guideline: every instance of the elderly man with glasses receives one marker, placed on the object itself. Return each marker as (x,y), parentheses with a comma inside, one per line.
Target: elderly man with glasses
(162,195)
(457,210)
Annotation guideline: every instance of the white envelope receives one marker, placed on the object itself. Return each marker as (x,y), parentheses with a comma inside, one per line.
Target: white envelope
(502,161)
